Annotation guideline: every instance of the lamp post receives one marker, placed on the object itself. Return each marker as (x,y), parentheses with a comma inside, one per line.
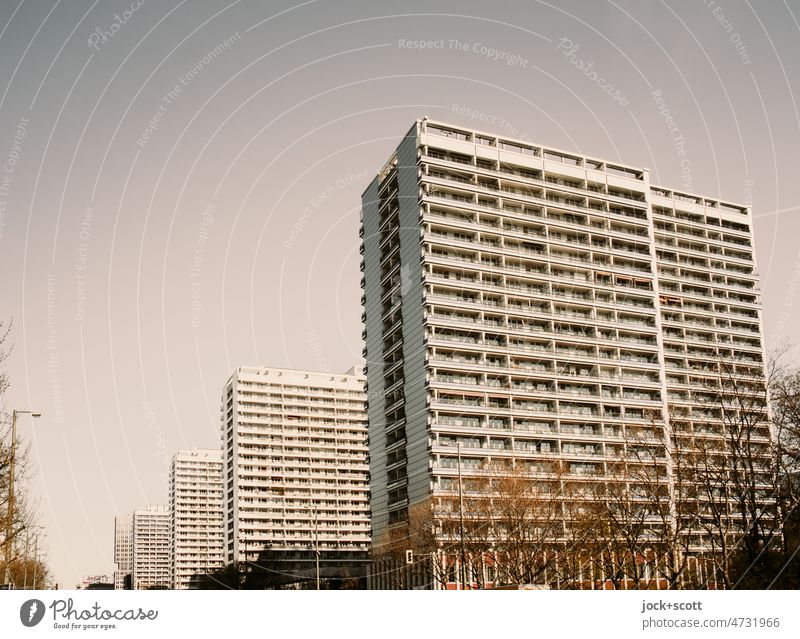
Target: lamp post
(10,505)
(316,543)
(461,524)
(246,566)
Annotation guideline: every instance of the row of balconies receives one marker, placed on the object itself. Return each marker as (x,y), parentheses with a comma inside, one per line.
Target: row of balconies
(478,176)
(437,157)
(695,222)
(493,271)
(709,278)
(343,456)
(251,430)
(257,415)
(537,368)
(711,289)
(287,417)
(584,335)
(267,426)
(545,408)
(694,293)
(540,272)
(542,450)
(715,266)
(572,352)
(713,237)
(530,387)
(608,393)
(675,300)
(699,255)
(323,397)
(699,222)
(694,248)
(496,362)
(291,464)
(498,222)
(510,229)
(341,537)
(326,500)
(548,367)
(585,257)
(545,347)
(540,289)
(281,390)
(481,418)
(325,403)
(540,210)
(353,475)
(715,310)
(719,328)
(721,339)
(325,515)
(494,303)
(751,374)
(673,282)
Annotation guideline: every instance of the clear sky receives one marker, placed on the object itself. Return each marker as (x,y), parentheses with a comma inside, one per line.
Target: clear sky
(180,187)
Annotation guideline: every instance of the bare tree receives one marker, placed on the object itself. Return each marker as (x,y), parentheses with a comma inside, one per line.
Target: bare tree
(435,544)
(635,522)
(389,557)
(730,473)
(430,539)
(785,404)
(24,511)
(520,515)
(578,562)
(512,531)
(5,351)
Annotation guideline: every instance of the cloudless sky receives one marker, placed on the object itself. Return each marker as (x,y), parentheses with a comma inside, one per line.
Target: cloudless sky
(154,238)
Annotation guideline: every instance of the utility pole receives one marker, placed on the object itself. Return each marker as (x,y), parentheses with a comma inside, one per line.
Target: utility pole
(461,512)
(10,506)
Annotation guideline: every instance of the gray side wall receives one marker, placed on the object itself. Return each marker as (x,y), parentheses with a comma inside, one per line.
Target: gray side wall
(374,358)
(413,346)
(413,325)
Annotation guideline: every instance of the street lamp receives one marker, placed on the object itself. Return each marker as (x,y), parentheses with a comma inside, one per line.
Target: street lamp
(313,508)
(10,504)
(461,525)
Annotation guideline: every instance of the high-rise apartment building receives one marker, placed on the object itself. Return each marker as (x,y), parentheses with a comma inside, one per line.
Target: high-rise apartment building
(529,304)
(196,531)
(123,551)
(151,548)
(295,470)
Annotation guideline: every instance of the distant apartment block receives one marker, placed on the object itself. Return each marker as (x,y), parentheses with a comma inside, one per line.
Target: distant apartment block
(151,548)
(123,551)
(530,304)
(95,582)
(295,469)
(196,531)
